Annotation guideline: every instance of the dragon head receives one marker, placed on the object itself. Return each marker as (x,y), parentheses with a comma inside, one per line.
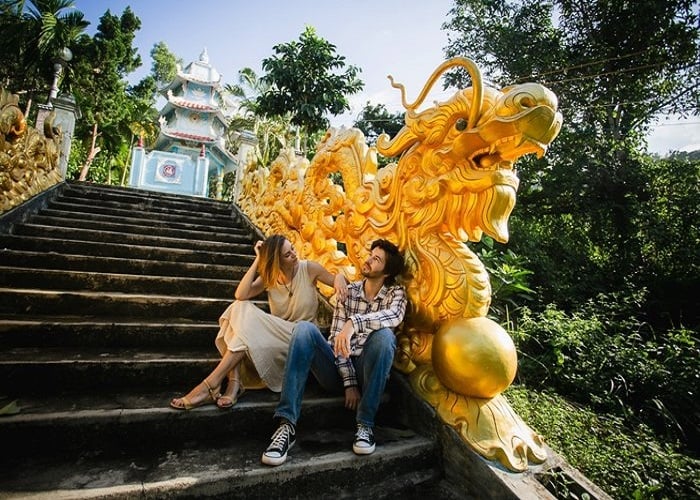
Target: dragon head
(466,147)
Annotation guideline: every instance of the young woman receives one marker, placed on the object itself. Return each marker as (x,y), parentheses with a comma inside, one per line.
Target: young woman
(246,331)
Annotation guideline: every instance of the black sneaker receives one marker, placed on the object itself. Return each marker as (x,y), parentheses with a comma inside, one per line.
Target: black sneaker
(364,440)
(282,441)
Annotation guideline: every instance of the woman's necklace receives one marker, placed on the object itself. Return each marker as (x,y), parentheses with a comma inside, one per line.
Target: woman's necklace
(289,287)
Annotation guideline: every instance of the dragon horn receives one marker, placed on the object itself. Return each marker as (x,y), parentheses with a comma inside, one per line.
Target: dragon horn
(477,84)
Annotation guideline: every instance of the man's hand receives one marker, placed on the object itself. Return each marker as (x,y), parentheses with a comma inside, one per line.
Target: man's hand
(341,342)
(352,398)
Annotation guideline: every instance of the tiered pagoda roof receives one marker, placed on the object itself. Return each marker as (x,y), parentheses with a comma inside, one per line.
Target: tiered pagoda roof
(198,72)
(192,113)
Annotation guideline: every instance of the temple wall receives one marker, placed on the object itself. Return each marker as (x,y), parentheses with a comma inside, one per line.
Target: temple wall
(169,172)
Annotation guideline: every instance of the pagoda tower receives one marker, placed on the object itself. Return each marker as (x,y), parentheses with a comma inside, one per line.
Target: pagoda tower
(191,144)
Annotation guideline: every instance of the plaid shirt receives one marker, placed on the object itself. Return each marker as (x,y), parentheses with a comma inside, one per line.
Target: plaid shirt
(386,310)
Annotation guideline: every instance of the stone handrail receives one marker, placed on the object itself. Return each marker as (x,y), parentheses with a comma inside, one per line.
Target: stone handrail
(453,181)
(28,158)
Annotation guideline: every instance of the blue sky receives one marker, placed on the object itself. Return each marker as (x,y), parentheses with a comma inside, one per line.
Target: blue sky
(398,37)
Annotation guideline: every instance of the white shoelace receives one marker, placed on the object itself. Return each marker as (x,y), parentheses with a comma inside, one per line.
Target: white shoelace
(281,435)
(364,433)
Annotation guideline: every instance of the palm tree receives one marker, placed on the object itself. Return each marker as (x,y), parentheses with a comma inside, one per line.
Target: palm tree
(271,132)
(37,31)
(54,29)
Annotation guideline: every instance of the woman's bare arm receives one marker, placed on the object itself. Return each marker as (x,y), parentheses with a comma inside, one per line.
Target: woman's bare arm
(251,284)
(337,281)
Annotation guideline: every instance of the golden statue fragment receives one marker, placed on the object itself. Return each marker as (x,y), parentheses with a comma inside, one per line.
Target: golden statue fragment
(28,158)
(454,181)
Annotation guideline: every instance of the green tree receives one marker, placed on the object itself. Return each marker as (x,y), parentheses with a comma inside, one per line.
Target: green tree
(35,32)
(615,65)
(271,131)
(375,120)
(101,89)
(308,80)
(164,63)
(142,113)
(667,227)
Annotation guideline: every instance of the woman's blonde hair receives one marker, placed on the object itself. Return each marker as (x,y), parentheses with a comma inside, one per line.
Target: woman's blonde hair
(269,267)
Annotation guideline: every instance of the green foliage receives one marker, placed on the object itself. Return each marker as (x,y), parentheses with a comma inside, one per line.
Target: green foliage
(692,156)
(116,112)
(626,462)
(591,214)
(668,235)
(35,32)
(142,116)
(574,255)
(567,266)
(164,63)
(227,186)
(509,279)
(603,355)
(76,159)
(307,80)
(376,120)
(613,64)
(103,63)
(100,88)
(271,132)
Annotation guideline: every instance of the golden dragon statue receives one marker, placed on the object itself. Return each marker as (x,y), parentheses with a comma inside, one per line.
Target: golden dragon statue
(453,182)
(28,158)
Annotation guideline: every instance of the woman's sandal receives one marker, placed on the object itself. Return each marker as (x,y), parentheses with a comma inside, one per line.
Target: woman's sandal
(226,402)
(214,395)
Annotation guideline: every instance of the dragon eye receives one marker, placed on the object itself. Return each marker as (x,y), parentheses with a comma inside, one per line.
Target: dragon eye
(461,124)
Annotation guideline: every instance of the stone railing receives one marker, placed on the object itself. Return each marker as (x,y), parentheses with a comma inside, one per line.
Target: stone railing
(28,157)
(453,180)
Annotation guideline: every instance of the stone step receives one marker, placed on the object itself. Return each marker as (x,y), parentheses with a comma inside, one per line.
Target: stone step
(320,465)
(105,333)
(64,215)
(109,301)
(129,238)
(83,206)
(136,208)
(94,263)
(72,370)
(129,226)
(111,420)
(50,279)
(143,197)
(235,256)
(113,304)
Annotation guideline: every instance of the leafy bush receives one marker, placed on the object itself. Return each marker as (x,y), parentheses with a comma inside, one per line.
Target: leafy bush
(604,356)
(625,462)
(76,158)
(508,277)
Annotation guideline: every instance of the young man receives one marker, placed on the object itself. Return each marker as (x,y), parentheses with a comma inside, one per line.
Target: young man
(357,356)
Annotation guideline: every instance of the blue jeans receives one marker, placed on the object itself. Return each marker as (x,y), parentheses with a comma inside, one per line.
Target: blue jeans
(310,351)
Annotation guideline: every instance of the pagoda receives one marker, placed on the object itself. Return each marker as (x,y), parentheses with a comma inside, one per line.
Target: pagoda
(191,144)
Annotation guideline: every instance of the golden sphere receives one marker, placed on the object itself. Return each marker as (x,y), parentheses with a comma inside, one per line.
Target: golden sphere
(475,357)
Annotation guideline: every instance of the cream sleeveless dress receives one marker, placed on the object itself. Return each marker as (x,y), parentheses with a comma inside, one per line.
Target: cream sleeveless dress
(265,337)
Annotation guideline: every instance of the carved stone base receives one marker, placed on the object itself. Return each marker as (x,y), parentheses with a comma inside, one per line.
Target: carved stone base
(488,426)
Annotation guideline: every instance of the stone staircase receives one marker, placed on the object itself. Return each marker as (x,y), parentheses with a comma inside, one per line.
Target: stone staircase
(109,300)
